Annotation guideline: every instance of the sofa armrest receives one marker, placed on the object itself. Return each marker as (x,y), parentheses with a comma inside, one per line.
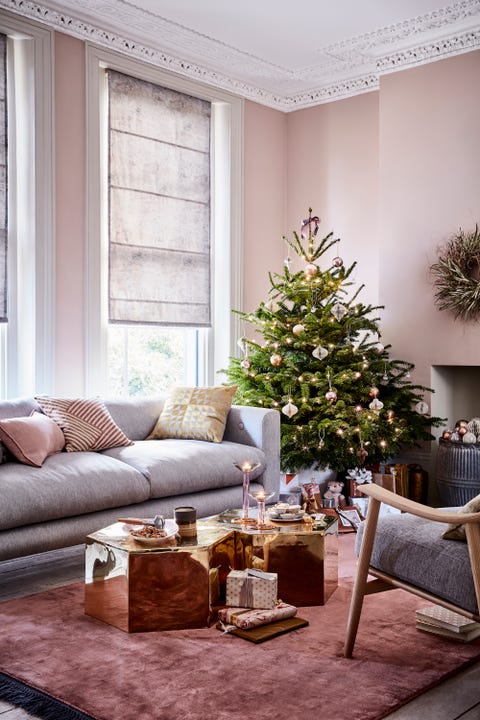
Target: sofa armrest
(260,428)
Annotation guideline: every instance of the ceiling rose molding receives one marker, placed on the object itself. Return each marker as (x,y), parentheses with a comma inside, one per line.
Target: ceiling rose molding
(344,69)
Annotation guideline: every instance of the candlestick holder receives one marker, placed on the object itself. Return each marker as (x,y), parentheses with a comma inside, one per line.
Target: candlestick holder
(261,497)
(246,469)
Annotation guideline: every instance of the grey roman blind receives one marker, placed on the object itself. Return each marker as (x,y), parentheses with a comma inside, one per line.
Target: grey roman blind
(3,179)
(159,204)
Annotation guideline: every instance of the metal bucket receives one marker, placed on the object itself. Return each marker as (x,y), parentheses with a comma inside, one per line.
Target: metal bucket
(457,473)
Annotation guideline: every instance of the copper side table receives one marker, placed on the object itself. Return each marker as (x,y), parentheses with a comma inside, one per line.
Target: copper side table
(138,589)
(305,556)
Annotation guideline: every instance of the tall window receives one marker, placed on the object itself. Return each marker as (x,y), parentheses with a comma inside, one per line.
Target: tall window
(3,178)
(159,233)
(164,228)
(27,285)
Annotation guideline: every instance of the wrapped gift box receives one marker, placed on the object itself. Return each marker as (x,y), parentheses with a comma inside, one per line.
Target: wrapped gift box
(252,588)
(245,618)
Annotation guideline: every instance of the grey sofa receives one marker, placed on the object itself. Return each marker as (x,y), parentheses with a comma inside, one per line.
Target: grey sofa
(75,493)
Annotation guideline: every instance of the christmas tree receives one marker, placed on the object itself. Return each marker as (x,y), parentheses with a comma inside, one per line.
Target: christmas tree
(344,402)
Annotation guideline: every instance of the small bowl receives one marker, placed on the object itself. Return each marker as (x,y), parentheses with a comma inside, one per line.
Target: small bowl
(171,529)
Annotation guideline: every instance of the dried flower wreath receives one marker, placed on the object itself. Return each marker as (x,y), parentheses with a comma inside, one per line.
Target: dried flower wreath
(457,276)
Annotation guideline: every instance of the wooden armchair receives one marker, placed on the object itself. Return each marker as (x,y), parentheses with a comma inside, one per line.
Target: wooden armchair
(407,551)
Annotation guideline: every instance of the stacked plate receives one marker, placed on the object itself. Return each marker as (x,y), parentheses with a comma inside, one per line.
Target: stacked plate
(283,512)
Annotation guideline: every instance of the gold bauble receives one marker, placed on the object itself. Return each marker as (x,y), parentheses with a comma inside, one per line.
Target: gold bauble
(276,359)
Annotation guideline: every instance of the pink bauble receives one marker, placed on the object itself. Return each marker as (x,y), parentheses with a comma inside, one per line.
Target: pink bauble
(331,396)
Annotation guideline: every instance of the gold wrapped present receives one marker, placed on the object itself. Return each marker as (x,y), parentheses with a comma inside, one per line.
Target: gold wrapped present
(252,588)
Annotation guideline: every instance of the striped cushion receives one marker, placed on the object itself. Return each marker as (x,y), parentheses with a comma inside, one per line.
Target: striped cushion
(86,424)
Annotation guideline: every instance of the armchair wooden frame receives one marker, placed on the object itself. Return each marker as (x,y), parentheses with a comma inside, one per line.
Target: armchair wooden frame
(382,581)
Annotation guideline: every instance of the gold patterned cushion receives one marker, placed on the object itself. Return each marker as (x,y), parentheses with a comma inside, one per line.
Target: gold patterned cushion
(195,413)
(86,424)
(457,532)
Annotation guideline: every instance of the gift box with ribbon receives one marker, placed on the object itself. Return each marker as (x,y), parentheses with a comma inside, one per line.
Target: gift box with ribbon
(245,618)
(251,588)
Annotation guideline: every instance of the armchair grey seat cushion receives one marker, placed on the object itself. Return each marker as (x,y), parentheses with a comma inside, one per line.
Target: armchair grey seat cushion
(413,550)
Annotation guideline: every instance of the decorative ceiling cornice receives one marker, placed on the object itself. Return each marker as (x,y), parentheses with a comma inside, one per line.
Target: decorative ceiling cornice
(343,69)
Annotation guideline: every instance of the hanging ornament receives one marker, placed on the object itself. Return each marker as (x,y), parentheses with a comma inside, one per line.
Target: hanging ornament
(421,408)
(246,364)
(289,304)
(290,409)
(331,396)
(321,441)
(288,260)
(374,392)
(376,405)
(314,299)
(337,260)
(385,374)
(242,343)
(320,353)
(310,271)
(469,438)
(338,311)
(297,329)
(276,359)
(362,453)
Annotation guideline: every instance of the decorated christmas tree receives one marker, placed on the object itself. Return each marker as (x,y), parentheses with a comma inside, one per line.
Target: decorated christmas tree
(316,355)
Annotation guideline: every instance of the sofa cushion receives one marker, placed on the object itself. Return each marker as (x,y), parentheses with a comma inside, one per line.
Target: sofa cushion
(136,416)
(67,484)
(86,424)
(456,531)
(31,439)
(176,467)
(195,413)
(412,549)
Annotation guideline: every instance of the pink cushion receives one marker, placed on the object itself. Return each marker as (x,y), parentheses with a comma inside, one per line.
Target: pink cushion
(31,439)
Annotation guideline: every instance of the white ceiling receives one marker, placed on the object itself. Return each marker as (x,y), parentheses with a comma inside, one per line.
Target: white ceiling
(283,54)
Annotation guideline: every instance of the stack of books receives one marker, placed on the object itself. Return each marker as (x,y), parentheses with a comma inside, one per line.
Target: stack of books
(439,620)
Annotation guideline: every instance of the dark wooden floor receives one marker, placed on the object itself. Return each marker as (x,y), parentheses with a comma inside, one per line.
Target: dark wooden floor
(456,699)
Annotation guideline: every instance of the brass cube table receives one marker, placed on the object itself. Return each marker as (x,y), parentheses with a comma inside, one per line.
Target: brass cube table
(305,556)
(139,589)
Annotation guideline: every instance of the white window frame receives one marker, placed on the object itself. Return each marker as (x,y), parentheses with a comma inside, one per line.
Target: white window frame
(227,215)
(27,341)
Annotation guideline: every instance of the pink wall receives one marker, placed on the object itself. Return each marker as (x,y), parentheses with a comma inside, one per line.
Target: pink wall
(333,168)
(394,173)
(265,175)
(429,187)
(70,213)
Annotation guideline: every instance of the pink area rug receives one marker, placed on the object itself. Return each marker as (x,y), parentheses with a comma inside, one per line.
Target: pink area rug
(47,642)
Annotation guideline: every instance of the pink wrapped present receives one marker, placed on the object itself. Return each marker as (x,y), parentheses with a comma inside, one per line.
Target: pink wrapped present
(246,619)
